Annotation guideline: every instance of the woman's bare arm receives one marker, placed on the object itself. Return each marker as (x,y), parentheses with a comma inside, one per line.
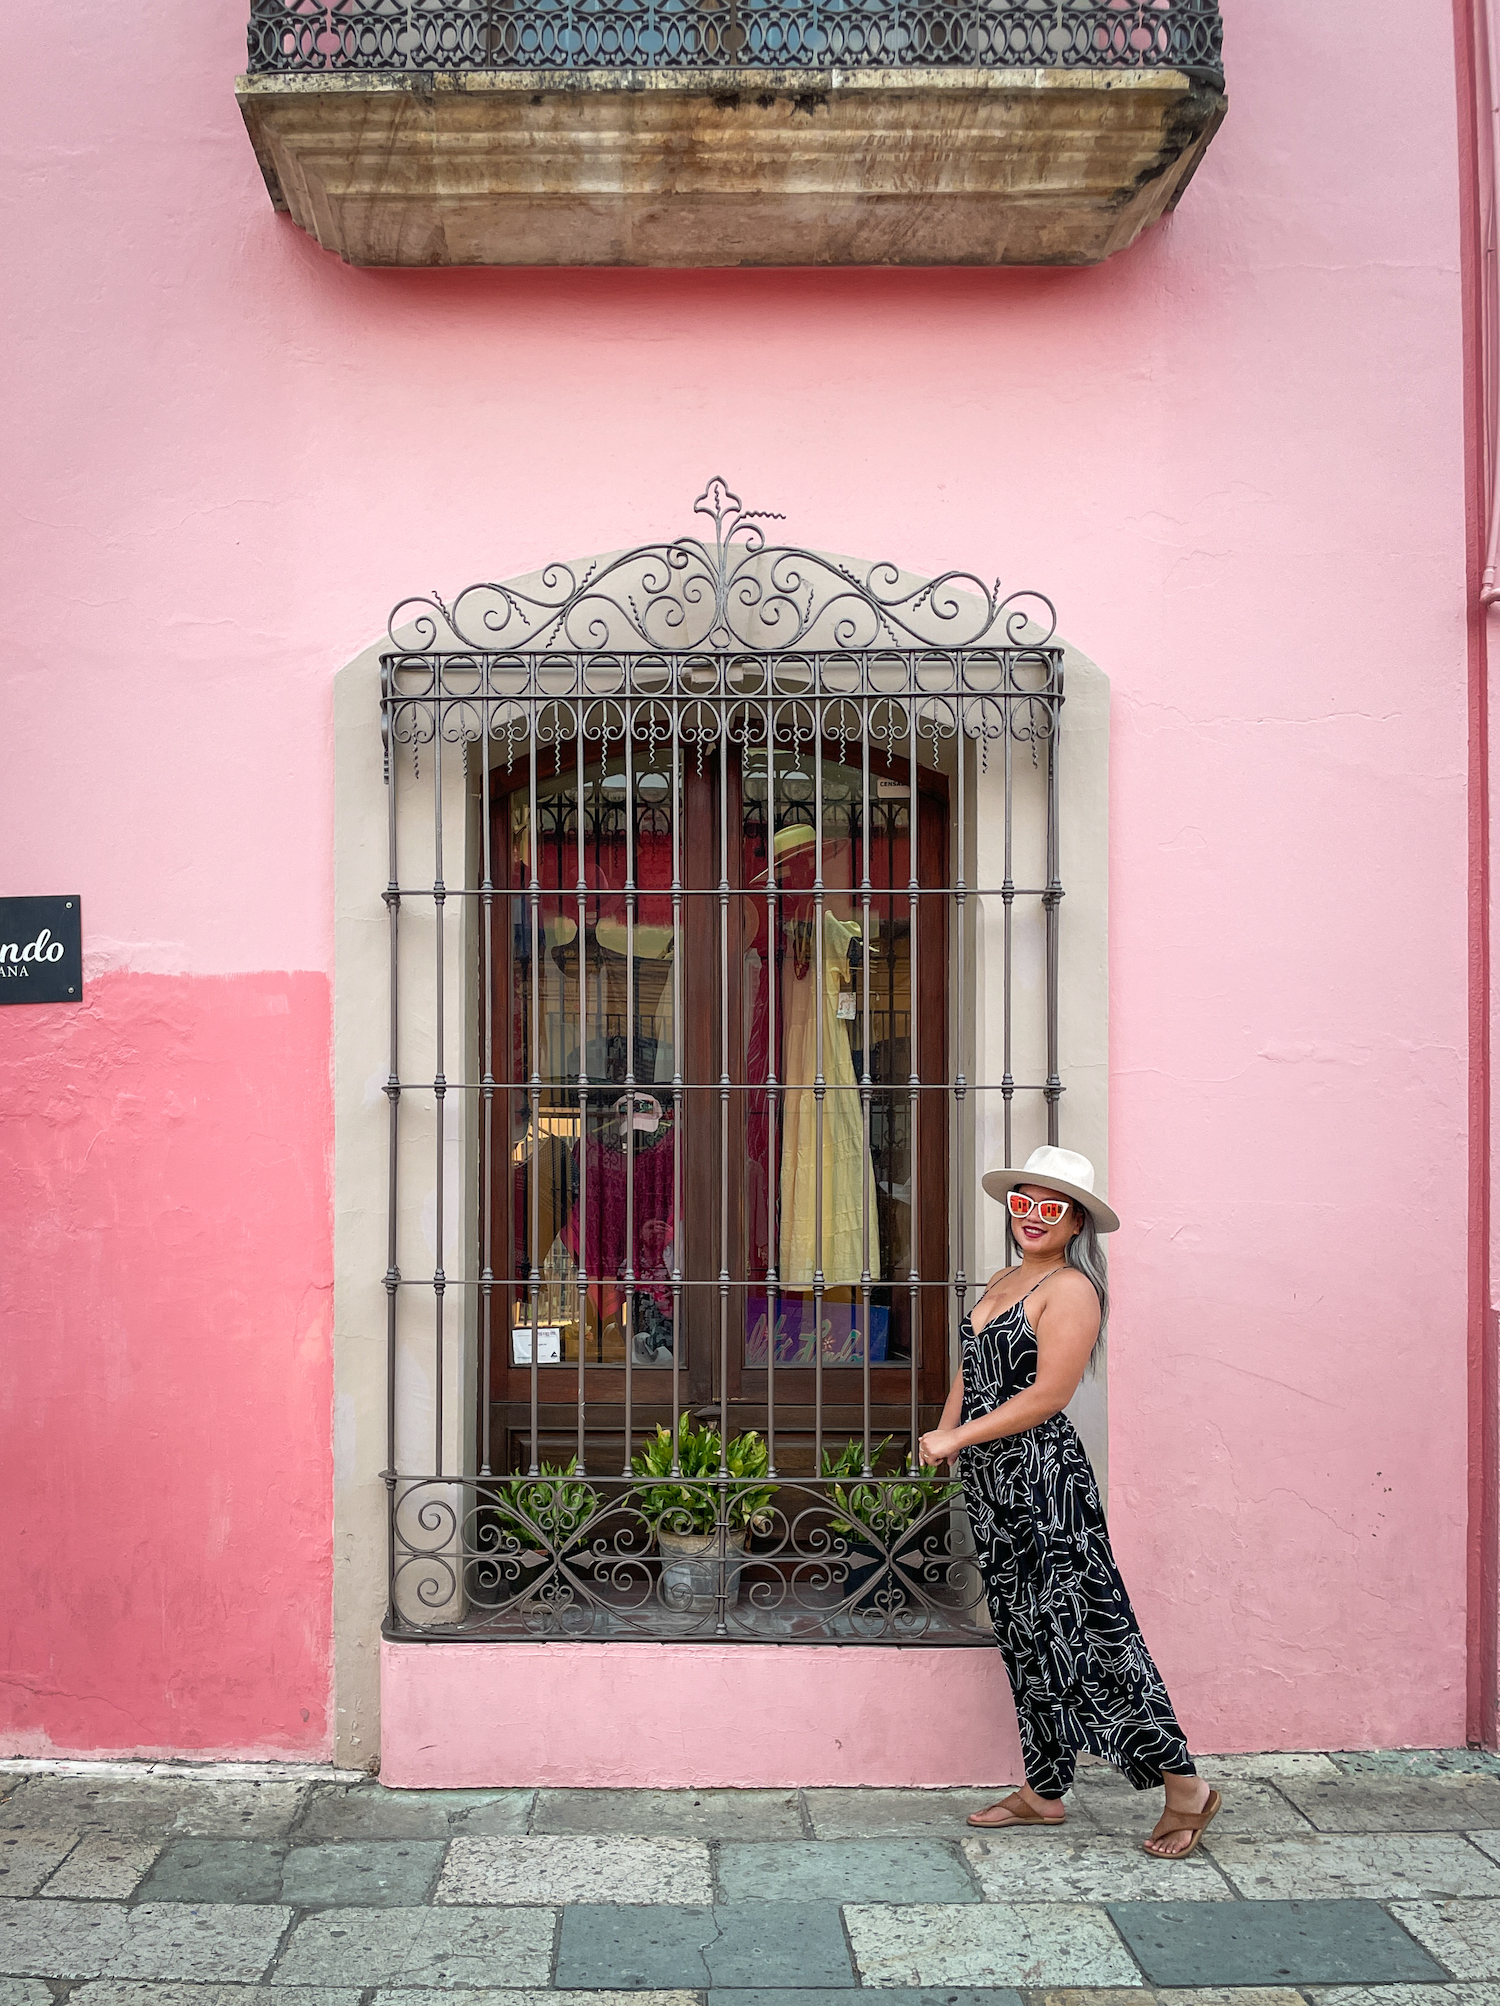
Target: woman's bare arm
(953,1406)
(1067,1327)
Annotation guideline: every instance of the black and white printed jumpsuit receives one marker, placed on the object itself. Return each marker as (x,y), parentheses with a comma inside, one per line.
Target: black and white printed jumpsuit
(1078,1664)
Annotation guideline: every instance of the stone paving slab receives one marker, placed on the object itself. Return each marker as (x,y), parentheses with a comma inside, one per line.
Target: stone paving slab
(755,1944)
(164,1940)
(420,1946)
(1311,1767)
(25,1992)
(1270,1943)
(894,1995)
(1029,1943)
(845,1870)
(372,1813)
(678,1814)
(1196,1995)
(553,1870)
(1028,1865)
(26,1860)
(369,1811)
(1416,1762)
(59,1939)
(1232,1995)
(1249,1809)
(1404,1995)
(216,1870)
(868,1814)
(1463,1935)
(103,1939)
(1487,1842)
(102,1868)
(399,1996)
(1375,1866)
(1089,1995)
(1398,1803)
(145,1992)
(361,1873)
(160,1807)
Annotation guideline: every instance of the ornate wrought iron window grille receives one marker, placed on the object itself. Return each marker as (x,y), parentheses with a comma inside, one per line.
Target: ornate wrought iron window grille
(682,1091)
(374,36)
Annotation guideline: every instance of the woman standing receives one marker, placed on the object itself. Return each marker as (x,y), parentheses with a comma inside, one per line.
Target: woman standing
(1079,1667)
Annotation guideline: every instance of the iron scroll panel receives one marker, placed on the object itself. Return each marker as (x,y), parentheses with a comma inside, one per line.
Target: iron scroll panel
(831,1539)
(396,36)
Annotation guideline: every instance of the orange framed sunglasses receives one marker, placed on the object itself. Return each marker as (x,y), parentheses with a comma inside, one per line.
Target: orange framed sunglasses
(1049,1210)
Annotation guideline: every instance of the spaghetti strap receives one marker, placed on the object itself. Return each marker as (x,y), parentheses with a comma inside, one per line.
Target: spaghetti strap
(1038,1283)
(1011,1307)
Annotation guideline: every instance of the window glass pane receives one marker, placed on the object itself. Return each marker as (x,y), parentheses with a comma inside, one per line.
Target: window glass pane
(602,1163)
(822,1189)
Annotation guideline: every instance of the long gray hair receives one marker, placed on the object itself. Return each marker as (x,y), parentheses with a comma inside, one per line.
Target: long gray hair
(1086,1253)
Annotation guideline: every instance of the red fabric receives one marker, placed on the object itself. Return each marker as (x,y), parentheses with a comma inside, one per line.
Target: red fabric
(603,1211)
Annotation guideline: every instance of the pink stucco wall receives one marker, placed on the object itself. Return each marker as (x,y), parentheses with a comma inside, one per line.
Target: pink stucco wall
(166,1302)
(654,1716)
(1235,458)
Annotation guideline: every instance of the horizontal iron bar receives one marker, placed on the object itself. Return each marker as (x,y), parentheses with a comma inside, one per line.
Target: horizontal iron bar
(643,1283)
(567,898)
(568,1090)
(944,1640)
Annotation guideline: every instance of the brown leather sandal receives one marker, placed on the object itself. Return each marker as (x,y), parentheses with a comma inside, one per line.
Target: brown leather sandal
(1020,1811)
(1196,1822)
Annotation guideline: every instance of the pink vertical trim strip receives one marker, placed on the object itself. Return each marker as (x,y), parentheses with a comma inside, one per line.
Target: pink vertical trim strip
(1486,149)
(1479,152)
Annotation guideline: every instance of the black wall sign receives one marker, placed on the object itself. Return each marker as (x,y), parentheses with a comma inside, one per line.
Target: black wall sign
(41,950)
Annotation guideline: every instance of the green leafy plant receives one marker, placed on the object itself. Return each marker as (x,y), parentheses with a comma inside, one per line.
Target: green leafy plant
(882,1507)
(549,1515)
(689,1502)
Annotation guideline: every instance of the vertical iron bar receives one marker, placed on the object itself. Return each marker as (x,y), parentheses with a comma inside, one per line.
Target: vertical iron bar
(867,1161)
(1008,907)
(679,1233)
(959,1016)
(819,1082)
(534,917)
(583,1094)
(721,1592)
(914,1081)
(487,1077)
(628,1320)
(1051,904)
(440,1080)
(773,1160)
(393,1104)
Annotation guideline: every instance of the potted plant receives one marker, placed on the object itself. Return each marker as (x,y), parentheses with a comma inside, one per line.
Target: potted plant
(529,1524)
(884,1518)
(683,1509)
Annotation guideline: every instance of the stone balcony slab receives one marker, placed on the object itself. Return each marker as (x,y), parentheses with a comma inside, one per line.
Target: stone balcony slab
(931,166)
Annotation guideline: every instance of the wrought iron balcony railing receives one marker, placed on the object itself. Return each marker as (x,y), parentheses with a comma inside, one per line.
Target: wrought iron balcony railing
(405,36)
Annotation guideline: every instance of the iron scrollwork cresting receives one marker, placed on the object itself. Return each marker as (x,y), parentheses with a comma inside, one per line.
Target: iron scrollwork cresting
(735,594)
(694,650)
(876,1560)
(383,36)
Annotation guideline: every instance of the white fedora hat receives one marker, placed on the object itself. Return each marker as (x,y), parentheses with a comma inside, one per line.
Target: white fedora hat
(1060,1170)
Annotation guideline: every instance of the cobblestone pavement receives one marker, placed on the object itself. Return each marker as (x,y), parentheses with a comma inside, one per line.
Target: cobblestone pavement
(1333,1880)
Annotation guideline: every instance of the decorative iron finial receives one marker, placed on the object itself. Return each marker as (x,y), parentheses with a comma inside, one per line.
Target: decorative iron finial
(722,505)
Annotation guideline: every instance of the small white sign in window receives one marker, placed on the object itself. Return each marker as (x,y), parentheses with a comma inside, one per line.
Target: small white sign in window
(548,1344)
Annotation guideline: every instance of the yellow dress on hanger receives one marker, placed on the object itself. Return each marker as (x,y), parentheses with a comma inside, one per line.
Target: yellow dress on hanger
(848,1175)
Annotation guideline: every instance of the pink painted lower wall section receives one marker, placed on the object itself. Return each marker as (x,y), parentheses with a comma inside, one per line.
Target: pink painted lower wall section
(686,1716)
(165,1374)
